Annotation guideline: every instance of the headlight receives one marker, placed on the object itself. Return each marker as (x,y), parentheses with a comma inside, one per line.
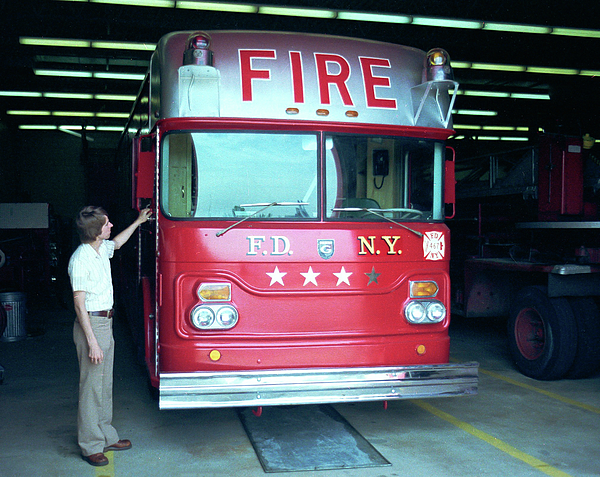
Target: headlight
(203,317)
(214,317)
(436,312)
(430,311)
(227,316)
(415,312)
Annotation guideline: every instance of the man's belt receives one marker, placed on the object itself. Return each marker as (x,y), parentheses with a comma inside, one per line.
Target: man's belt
(105,313)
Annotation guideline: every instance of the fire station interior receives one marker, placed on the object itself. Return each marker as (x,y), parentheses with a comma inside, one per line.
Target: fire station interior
(526,141)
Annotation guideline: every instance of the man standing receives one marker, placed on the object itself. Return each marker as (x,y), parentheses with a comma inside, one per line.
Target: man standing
(89,271)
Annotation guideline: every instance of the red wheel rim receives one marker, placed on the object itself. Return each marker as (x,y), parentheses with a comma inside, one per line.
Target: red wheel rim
(529,334)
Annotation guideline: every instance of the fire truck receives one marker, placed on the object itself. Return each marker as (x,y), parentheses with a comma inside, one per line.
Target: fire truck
(526,245)
(299,252)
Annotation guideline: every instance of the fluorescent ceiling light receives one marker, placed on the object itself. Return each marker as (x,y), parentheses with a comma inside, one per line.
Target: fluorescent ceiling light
(487,94)
(475,112)
(466,126)
(516,28)
(78,43)
(91,74)
(119,76)
(297,12)
(460,64)
(503,94)
(21,94)
(77,127)
(38,94)
(218,7)
(45,127)
(64,73)
(514,139)
(70,129)
(497,67)
(68,95)
(499,128)
(87,114)
(530,96)
(374,17)
(526,69)
(576,32)
(139,3)
(54,42)
(113,115)
(114,97)
(554,71)
(122,45)
(357,16)
(447,23)
(77,114)
(109,128)
(15,112)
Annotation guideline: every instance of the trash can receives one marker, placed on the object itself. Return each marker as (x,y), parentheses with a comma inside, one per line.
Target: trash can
(14,304)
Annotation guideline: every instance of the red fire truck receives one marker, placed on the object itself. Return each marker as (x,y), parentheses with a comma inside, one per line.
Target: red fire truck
(526,247)
(299,253)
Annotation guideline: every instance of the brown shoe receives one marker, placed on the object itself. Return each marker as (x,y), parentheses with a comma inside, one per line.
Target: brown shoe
(96,459)
(123,444)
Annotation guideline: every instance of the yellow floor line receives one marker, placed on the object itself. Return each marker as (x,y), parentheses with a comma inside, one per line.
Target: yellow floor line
(107,470)
(552,395)
(503,446)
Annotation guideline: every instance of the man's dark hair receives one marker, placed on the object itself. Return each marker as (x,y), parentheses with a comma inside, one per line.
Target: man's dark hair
(90,221)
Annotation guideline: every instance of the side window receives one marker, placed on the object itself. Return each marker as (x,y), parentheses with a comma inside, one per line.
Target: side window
(178,173)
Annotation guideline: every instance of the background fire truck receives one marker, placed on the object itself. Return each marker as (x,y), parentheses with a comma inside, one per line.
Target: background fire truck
(526,245)
(299,252)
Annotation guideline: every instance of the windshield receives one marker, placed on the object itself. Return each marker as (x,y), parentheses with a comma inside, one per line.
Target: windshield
(263,175)
(236,174)
(391,177)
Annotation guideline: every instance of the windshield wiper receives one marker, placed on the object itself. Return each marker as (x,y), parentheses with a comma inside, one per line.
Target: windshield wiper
(265,206)
(373,211)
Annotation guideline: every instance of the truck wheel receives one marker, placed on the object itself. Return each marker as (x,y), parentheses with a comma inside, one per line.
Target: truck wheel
(587,356)
(542,334)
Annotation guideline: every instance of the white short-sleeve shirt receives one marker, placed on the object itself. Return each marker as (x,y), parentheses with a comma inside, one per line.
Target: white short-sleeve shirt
(89,271)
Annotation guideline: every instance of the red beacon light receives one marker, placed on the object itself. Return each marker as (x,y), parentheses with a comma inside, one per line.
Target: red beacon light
(197,52)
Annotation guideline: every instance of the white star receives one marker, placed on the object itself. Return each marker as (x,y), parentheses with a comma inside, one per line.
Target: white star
(342,277)
(276,276)
(310,276)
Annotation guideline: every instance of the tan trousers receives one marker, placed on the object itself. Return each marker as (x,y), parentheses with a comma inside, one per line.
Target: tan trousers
(94,416)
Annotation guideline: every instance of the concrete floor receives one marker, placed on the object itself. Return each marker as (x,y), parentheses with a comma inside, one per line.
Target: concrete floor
(515,426)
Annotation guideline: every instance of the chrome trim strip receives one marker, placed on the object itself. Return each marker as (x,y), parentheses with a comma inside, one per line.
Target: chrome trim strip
(313,386)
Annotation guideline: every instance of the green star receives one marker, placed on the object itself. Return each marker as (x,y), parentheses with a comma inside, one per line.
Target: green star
(372,276)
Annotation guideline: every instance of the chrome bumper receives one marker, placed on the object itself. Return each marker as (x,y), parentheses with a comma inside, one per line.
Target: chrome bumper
(315,386)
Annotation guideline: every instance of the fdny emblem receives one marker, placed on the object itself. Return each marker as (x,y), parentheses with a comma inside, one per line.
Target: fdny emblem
(326,247)
(434,246)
